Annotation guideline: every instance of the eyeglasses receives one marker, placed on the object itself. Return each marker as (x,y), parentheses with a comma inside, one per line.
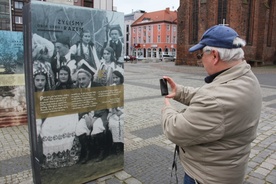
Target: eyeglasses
(199,56)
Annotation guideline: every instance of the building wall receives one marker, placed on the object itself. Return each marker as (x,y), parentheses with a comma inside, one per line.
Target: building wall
(5,15)
(158,43)
(103,4)
(129,19)
(254,20)
(151,40)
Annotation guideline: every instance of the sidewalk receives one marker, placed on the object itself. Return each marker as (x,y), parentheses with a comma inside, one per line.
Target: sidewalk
(148,154)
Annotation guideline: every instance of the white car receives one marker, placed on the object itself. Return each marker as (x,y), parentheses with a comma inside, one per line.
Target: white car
(167,57)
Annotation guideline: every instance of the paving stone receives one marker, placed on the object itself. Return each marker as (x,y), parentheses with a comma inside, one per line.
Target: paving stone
(252,180)
(113,181)
(132,181)
(148,132)
(262,171)
(267,166)
(145,164)
(271,179)
(122,175)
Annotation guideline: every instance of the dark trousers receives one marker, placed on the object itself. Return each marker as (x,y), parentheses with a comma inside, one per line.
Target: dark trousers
(189,180)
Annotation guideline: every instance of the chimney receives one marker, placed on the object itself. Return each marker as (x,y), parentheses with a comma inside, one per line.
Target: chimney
(167,10)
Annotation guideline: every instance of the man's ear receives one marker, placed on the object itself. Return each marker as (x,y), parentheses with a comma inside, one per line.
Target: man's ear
(216,57)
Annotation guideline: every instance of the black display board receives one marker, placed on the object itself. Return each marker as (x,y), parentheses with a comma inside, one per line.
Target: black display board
(74,89)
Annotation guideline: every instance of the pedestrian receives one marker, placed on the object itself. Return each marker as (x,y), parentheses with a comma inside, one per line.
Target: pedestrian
(215,131)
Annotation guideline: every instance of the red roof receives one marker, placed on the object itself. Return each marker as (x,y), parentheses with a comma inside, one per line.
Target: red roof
(157,16)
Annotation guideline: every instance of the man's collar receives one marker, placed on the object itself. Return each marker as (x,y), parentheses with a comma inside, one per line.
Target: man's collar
(210,78)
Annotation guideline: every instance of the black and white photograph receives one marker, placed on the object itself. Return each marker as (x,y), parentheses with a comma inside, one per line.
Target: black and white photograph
(77,65)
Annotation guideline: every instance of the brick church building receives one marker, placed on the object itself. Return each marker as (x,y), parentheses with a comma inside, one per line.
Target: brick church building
(254,20)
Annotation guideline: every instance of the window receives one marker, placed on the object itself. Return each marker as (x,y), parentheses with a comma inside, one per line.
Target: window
(159,27)
(168,27)
(134,30)
(149,52)
(4,25)
(18,20)
(134,40)
(140,29)
(149,28)
(174,39)
(4,8)
(88,3)
(127,28)
(168,39)
(194,28)
(149,39)
(18,5)
(139,39)
(222,10)
(174,28)
(158,39)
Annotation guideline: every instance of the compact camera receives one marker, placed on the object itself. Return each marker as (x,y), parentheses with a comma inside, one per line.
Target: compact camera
(164,87)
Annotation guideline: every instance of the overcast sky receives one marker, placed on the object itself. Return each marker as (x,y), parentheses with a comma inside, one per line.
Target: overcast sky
(127,6)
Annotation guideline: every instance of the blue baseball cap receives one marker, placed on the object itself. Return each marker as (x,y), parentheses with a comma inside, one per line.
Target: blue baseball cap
(217,36)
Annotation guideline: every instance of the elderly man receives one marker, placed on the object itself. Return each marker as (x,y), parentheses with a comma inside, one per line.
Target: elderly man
(215,131)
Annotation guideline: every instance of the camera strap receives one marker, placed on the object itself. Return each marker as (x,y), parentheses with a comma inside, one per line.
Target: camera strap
(174,164)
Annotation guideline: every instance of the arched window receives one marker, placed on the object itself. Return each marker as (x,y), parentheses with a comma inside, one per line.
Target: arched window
(149,52)
(154,52)
(194,27)
(222,11)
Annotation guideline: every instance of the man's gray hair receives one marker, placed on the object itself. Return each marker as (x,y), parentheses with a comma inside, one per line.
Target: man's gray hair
(229,55)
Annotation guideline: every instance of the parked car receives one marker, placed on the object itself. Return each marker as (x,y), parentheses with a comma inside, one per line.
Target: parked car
(167,57)
(140,58)
(131,58)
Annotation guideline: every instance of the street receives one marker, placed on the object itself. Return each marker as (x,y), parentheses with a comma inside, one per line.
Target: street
(148,154)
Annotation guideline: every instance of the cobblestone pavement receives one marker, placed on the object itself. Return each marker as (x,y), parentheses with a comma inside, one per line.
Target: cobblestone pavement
(148,154)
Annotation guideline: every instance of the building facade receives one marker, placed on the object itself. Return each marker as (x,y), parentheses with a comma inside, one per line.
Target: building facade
(5,15)
(128,20)
(154,34)
(254,20)
(11,10)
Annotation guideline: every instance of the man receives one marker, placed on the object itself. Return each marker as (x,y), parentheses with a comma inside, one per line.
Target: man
(85,76)
(215,131)
(115,33)
(83,129)
(63,57)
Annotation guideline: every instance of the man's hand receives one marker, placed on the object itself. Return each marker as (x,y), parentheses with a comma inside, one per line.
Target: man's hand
(173,87)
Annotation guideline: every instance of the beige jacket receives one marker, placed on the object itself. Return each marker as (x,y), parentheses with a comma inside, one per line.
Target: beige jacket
(219,124)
